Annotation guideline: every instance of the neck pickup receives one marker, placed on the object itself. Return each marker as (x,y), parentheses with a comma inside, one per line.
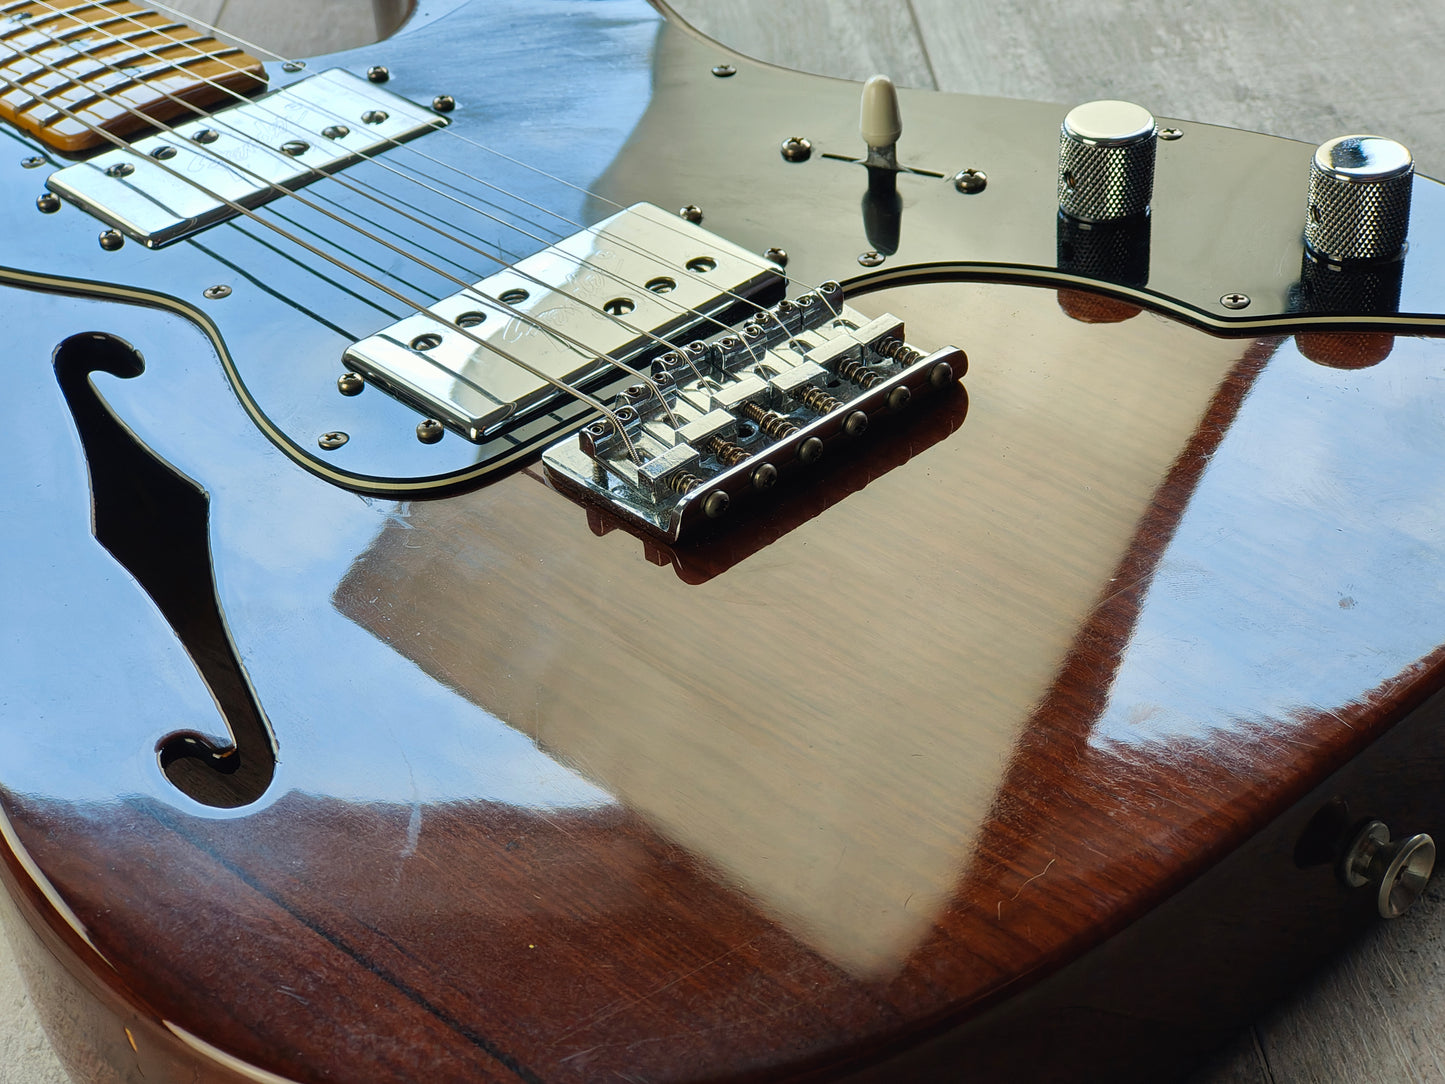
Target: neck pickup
(73,72)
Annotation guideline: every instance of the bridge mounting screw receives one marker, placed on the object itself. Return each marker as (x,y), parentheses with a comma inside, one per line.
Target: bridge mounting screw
(218,291)
(796,149)
(969,181)
(110,240)
(35,161)
(856,423)
(329,442)
(715,504)
(810,451)
(48,203)
(764,476)
(350,383)
(429,431)
(871,258)
(692,212)
(443,103)
(378,73)
(779,256)
(723,71)
(294,66)
(899,397)
(1235,301)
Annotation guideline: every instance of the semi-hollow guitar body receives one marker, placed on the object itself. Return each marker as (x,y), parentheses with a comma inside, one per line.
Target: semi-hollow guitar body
(1028,730)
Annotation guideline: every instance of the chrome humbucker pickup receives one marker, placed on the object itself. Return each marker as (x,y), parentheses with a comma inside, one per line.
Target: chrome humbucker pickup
(564,319)
(735,412)
(168,186)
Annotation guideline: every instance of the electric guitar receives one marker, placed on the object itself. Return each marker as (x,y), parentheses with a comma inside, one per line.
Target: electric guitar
(538,551)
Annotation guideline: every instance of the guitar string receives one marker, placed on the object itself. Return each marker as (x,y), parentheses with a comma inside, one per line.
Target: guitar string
(467,287)
(398,296)
(450,131)
(410,149)
(358,187)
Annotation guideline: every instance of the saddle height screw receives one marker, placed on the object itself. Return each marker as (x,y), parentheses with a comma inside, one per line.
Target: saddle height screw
(1235,301)
(111,240)
(692,213)
(350,384)
(47,203)
(796,149)
(969,181)
(378,73)
(218,291)
(443,103)
(724,71)
(329,442)
(429,431)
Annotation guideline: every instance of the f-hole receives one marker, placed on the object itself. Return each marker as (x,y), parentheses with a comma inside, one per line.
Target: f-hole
(155,523)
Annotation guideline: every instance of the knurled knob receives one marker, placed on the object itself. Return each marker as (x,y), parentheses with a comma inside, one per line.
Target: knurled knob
(1106,161)
(1359,205)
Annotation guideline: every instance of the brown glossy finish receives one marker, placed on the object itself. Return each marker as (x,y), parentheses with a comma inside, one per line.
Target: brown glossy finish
(57,83)
(853,789)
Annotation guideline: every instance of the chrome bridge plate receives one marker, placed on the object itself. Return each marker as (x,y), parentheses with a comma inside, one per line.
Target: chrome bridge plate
(743,410)
(621,292)
(168,186)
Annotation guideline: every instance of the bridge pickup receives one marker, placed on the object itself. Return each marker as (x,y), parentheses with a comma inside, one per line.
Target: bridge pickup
(623,291)
(744,409)
(171,185)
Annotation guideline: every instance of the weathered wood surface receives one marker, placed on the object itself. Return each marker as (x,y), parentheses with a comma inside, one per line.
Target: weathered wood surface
(1310,71)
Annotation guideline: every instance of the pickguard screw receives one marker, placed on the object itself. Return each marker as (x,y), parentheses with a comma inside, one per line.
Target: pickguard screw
(35,161)
(715,504)
(691,212)
(294,66)
(810,451)
(111,240)
(378,74)
(870,258)
(796,149)
(350,384)
(856,423)
(1234,301)
(723,71)
(1170,133)
(970,181)
(215,293)
(443,103)
(48,203)
(429,431)
(331,441)
(777,255)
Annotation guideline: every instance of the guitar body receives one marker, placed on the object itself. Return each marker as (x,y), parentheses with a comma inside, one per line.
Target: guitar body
(1024,742)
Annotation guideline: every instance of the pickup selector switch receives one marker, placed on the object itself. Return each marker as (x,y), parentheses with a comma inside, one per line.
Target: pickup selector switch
(1359,202)
(1106,161)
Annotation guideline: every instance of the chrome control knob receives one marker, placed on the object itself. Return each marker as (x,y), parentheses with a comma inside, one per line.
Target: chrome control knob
(1359,206)
(1397,870)
(1106,161)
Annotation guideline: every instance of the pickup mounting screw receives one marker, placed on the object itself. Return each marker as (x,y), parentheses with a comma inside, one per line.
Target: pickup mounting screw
(331,441)
(35,161)
(796,149)
(295,147)
(206,135)
(48,203)
(1235,301)
(723,71)
(350,384)
(777,255)
(215,293)
(110,240)
(692,213)
(378,73)
(443,103)
(375,116)
(336,131)
(871,258)
(715,504)
(120,169)
(429,431)
(970,181)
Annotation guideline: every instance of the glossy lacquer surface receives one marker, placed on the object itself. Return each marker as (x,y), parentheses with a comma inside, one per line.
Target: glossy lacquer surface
(554,803)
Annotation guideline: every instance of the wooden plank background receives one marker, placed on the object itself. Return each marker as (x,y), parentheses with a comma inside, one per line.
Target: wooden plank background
(1311,69)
